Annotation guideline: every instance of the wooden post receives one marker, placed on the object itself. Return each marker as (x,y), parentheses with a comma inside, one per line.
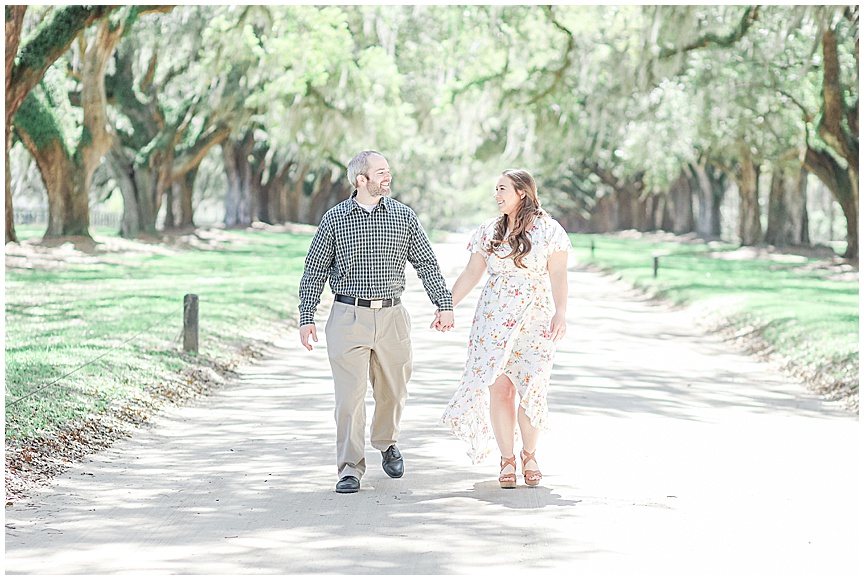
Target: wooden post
(592,248)
(656,264)
(190,322)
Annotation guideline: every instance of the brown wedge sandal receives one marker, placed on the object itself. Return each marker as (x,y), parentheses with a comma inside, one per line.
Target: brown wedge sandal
(507,480)
(532,476)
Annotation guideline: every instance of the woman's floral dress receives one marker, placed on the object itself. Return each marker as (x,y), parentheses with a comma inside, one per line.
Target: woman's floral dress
(509,335)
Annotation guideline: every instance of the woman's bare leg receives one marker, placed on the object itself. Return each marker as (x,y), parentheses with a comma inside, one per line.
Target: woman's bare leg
(502,413)
(530,436)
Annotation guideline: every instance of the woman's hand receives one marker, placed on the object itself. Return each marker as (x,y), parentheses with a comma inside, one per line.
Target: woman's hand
(557,266)
(558,327)
(443,321)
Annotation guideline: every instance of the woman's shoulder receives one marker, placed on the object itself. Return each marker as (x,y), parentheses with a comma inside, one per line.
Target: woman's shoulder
(546,222)
(482,234)
(552,233)
(487,227)
(490,223)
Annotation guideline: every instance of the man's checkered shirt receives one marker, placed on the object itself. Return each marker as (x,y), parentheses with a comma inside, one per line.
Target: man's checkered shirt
(364,256)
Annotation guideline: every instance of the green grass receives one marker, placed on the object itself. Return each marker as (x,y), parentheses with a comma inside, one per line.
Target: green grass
(89,307)
(60,318)
(807,313)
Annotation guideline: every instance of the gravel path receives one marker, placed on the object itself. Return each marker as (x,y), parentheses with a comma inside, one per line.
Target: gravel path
(670,454)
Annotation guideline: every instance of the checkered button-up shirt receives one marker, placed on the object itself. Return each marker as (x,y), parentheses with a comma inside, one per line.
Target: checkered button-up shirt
(364,253)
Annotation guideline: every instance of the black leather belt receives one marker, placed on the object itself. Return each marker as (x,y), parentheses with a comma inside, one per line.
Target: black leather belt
(384,303)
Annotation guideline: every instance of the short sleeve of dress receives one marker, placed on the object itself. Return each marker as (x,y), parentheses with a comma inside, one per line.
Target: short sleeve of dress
(478,240)
(556,237)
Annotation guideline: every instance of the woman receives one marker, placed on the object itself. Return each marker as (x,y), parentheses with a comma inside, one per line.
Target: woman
(515,328)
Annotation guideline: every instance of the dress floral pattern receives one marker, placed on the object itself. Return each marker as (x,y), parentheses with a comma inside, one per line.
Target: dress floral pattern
(509,335)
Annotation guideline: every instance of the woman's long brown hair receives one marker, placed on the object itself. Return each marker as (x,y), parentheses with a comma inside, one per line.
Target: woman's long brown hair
(523,218)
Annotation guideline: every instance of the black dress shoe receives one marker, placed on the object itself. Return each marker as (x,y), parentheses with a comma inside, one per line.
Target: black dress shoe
(348,484)
(391,461)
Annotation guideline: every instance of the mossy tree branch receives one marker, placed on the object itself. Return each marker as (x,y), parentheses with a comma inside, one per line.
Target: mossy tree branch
(834,110)
(14,23)
(751,14)
(51,40)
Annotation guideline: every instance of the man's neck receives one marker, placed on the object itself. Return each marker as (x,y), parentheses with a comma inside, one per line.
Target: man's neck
(366,199)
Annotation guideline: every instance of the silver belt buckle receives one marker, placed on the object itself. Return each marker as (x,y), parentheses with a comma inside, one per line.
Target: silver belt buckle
(376,304)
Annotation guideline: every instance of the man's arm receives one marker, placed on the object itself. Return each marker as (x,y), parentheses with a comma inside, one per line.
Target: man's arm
(319,260)
(466,282)
(423,259)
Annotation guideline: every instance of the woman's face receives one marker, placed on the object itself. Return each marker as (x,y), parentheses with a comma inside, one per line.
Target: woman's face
(506,196)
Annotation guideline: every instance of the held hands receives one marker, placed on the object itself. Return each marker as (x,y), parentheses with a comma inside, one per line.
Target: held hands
(443,321)
(307,331)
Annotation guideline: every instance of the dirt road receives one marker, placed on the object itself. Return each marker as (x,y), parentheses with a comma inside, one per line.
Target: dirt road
(670,454)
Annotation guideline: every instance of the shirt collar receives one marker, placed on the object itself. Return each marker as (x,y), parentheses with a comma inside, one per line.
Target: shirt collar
(384,203)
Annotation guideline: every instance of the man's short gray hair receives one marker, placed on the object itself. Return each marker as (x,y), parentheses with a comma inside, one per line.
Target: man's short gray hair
(359,165)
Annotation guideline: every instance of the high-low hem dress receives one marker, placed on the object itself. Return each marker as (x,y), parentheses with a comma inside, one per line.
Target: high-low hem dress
(510,335)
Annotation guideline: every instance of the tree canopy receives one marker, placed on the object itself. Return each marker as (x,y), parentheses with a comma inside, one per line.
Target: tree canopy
(629,116)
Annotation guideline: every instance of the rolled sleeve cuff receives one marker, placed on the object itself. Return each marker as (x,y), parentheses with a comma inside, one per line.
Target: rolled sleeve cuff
(445,303)
(307,318)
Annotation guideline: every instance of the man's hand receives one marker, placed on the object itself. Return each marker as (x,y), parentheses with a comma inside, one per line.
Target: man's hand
(306,331)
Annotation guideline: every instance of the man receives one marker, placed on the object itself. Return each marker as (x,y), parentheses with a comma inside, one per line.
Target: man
(362,245)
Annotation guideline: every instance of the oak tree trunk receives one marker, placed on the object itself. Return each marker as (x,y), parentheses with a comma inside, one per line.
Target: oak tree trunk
(55,168)
(603,216)
(843,182)
(680,205)
(135,183)
(626,209)
(747,176)
(708,186)
(293,195)
(840,181)
(169,222)
(327,194)
(14,22)
(238,197)
(186,185)
(277,193)
(664,214)
(654,209)
(787,208)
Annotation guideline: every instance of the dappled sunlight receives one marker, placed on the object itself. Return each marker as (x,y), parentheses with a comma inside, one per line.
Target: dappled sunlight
(651,423)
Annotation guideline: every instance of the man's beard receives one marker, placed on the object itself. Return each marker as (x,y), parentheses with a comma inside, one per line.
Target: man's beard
(376,190)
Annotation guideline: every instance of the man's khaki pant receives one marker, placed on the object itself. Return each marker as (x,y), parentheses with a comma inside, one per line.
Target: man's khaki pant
(369,342)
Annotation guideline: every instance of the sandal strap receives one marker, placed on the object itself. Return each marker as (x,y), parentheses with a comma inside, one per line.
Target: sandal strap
(530,474)
(508,477)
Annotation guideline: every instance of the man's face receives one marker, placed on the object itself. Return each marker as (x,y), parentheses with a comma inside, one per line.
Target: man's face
(378,177)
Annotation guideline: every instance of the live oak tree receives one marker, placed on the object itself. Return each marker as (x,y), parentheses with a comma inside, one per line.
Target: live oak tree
(835,159)
(783,42)
(169,116)
(26,65)
(68,157)
(631,117)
